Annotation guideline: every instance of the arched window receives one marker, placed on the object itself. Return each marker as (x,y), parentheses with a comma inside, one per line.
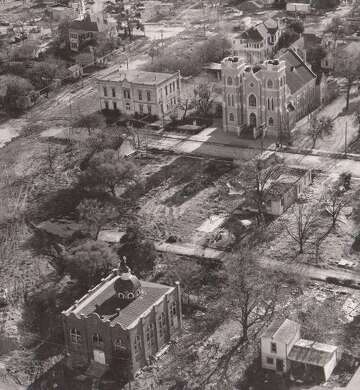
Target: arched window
(272,104)
(121,295)
(130,296)
(232,100)
(271,121)
(229,81)
(268,103)
(252,101)
(75,336)
(119,345)
(231,117)
(97,339)
(252,120)
(229,100)
(270,84)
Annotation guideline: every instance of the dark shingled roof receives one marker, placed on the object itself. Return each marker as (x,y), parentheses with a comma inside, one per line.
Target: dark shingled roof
(252,34)
(297,72)
(84,25)
(104,302)
(311,352)
(282,331)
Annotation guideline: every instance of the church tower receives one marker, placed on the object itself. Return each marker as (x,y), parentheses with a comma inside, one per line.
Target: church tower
(232,69)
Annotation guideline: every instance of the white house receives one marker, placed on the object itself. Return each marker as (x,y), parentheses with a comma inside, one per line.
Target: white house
(276,343)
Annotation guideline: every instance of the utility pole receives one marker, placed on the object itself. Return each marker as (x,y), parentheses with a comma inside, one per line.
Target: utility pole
(346,139)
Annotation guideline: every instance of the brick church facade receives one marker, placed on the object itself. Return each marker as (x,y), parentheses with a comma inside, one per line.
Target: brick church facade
(275,93)
(122,322)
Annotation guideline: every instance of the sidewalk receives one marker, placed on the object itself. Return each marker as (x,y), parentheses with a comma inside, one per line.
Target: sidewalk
(309,271)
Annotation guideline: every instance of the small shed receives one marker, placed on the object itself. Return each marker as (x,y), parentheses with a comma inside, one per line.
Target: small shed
(313,360)
(76,71)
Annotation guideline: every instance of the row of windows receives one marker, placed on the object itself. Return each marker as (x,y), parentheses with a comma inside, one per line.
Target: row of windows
(126,93)
(114,106)
(270,83)
(75,335)
(172,87)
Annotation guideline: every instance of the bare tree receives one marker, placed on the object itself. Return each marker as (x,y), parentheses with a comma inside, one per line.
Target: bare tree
(348,66)
(255,179)
(185,105)
(203,98)
(319,127)
(306,218)
(90,122)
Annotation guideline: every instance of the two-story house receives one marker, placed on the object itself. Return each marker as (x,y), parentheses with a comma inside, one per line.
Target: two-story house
(122,322)
(259,42)
(138,92)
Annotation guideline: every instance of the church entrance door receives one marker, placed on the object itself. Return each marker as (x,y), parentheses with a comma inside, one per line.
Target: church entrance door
(99,356)
(252,120)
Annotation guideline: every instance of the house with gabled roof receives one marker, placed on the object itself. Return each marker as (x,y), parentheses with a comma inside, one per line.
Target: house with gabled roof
(259,42)
(121,323)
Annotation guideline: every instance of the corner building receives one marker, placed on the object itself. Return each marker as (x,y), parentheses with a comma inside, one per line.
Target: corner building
(122,322)
(275,93)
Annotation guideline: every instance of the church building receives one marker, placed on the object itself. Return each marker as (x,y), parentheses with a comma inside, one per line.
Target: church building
(121,323)
(273,94)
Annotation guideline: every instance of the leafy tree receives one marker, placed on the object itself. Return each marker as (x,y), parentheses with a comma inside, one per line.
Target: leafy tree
(306,219)
(42,74)
(336,27)
(287,38)
(347,65)
(17,93)
(24,52)
(296,25)
(139,251)
(89,262)
(107,170)
(90,122)
(62,41)
(214,49)
(95,214)
(314,55)
(319,127)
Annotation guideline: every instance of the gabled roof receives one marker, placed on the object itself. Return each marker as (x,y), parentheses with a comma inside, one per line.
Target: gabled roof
(298,73)
(259,31)
(84,25)
(311,352)
(283,331)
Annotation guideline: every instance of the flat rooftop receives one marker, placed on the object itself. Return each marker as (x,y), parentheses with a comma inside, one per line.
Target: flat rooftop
(312,352)
(138,77)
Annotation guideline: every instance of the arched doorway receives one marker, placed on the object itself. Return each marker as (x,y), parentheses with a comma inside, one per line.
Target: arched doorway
(252,120)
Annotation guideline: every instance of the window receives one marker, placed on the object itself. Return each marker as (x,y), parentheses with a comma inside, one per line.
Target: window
(137,344)
(127,107)
(271,121)
(97,339)
(268,103)
(170,87)
(229,100)
(75,336)
(148,95)
(232,100)
(229,81)
(105,91)
(173,85)
(140,95)
(127,93)
(119,345)
(270,84)
(272,104)
(231,117)
(178,84)
(150,335)
(273,348)
(141,109)
(237,80)
(252,101)
(149,108)
(113,92)
(162,324)
(173,313)
(281,82)
(166,90)
(106,105)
